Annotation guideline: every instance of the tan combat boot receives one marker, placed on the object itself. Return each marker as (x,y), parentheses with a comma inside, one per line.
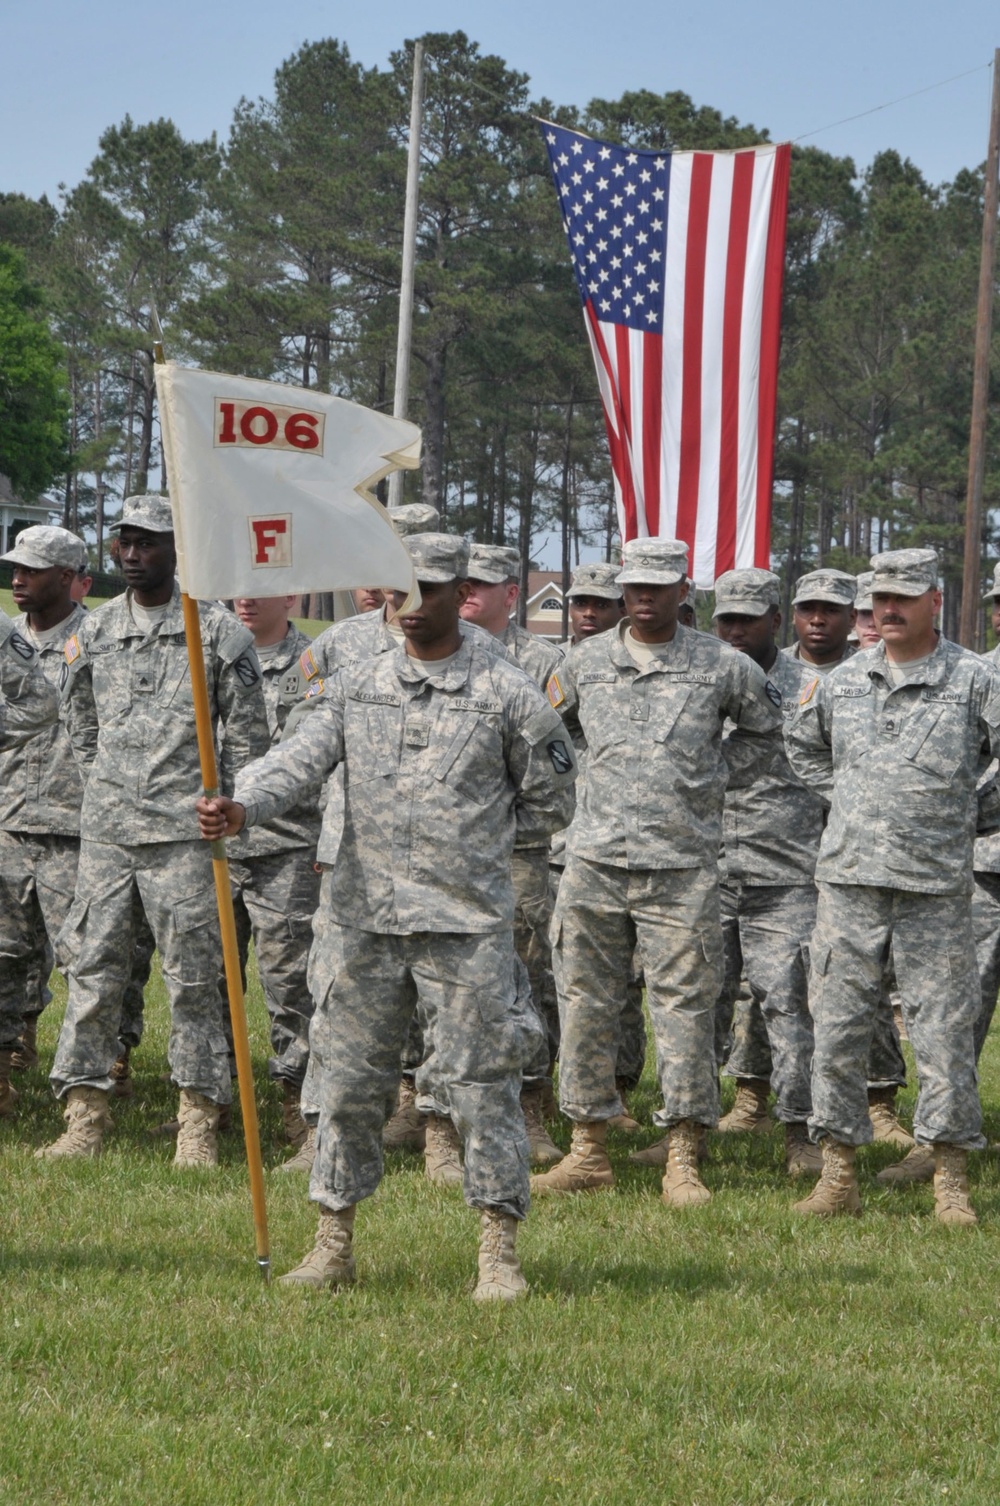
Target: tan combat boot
(87,1118)
(682,1186)
(121,1075)
(748,1115)
(542,1151)
(8,1093)
(442,1151)
(885,1124)
(624,1121)
(500,1276)
(294,1125)
(198,1122)
(24,1057)
(918,1166)
(802,1158)
(406,1129)
(305,1155)
(837,1189)
(330,1262)
(586,1168)
(951,1186)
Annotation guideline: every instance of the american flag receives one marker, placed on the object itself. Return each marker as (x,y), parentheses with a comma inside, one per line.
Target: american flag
(679,259)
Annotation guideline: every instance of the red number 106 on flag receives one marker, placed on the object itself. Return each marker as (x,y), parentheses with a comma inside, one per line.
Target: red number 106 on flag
(267,426)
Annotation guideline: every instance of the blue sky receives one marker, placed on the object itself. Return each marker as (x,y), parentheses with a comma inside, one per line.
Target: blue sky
(70,70)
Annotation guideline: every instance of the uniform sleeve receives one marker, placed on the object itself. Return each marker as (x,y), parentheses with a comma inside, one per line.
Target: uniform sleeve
(808,741)
(78,707)
(989,715)
(543,766)
(29,702)
(754,746)
(562,696)
(239,696)
(294,771)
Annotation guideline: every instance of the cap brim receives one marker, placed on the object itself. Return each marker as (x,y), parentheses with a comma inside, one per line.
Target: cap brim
(741,608)
(139,522)
(899,588)
(649,577)
(487,580)
(863,604)
(25,557)
(990,595)
(606,593)
(432,577)
(835,601)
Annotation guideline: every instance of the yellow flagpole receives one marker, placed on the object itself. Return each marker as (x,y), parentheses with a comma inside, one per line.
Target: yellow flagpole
(227,919)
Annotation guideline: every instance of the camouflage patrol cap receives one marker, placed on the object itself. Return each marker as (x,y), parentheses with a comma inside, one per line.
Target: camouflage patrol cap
(414,517)
(148,510)
(904,572)
(597,579)
(438,557)
(653,562)
(746,593)
(863,600)
(493,563)
(44,545)
(990,595)
(826,585)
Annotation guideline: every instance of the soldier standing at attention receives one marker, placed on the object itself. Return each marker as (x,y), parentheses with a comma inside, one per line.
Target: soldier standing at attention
(895,740)
(649,700)
(128,708)
(446,751)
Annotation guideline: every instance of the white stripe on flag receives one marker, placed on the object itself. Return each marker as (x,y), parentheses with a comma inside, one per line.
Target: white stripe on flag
(673,338)
(716,263)
(753,289)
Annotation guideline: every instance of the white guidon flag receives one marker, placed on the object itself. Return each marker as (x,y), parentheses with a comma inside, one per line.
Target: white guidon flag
(272,486)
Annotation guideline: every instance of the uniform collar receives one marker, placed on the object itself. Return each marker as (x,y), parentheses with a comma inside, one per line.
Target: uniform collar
(936,669)
(453,678)
(682,643)
(119,622)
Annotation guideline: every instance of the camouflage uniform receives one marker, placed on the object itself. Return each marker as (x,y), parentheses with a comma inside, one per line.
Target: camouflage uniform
(27,700)
(986,902)
(276,886)
(900,766)
(128,708)
(643,848)
(453,761)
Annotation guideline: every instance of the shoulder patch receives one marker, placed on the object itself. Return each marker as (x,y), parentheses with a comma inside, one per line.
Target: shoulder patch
(72,649)
(308,664)
(316,688)
(247,671)
(554,691)
(773,693)
(21,646)
(808,692)
(560,756)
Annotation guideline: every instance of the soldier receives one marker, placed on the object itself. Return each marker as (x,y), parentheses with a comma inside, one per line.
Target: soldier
(896,739)
(447,750)
(40,794)
(823,616)
(864,626)
(494,571)
(274,875)
(595,601)
(649,700)
(128,709)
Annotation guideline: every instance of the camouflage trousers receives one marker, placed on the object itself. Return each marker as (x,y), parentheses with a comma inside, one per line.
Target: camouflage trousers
(931,939)
(986,930)
(632,1042)
(601,915)
(532,918)
(173,881)
(766,931)
(463,989)
(37,880)
(274,899)
(133,1001)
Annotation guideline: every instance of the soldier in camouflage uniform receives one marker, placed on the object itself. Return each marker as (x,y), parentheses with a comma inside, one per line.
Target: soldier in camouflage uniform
(649,700)
(494,573)
(986,872)
(128,708)
(896,739)
(274,875)
(446,750)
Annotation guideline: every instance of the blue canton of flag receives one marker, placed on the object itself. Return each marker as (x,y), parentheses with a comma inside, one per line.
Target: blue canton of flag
(614,205)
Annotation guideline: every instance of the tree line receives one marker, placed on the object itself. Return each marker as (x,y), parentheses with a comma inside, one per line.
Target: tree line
(277,254)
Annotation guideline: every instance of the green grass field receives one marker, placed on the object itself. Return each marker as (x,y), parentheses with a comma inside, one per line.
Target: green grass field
(731,1356)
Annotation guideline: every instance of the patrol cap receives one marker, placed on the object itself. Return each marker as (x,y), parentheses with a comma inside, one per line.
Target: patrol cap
(905,572)
(596,579)
(148,510)
(414,517)
(747,593)
(863,600)
(826,585)
(493,563)
(438,557)
(995,591)
(653,562)
(43,545)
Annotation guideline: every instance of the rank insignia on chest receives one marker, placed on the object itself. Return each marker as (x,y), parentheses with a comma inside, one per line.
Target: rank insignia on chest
(308,664)
(72,650)
(809,692)
(555,692)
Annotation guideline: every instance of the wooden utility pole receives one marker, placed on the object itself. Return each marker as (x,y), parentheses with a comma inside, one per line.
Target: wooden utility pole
(401,391)
(972,564)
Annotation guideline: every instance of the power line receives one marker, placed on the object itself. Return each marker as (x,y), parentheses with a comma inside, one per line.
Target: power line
(890,102)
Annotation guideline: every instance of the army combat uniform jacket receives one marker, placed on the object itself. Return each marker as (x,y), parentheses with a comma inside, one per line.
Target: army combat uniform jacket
(27,701)
(40,785)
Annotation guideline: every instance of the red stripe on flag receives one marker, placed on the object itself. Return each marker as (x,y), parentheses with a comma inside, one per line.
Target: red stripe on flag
(617,443)
(652,425)
(694,313)
(732,319)
(770,341)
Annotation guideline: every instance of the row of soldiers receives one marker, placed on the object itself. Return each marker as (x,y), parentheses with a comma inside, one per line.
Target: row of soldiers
(443,773)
